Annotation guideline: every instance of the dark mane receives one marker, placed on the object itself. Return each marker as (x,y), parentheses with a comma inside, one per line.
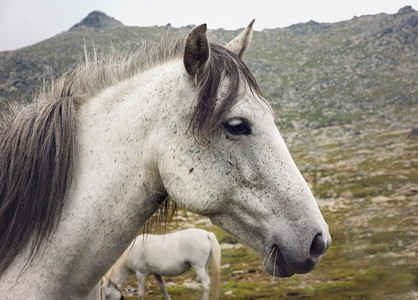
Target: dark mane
(210,112)
(35,163)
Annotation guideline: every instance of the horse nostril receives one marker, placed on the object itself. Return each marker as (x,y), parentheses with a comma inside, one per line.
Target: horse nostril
(318,246)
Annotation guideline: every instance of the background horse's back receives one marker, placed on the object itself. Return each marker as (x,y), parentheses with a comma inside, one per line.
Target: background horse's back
(167,255)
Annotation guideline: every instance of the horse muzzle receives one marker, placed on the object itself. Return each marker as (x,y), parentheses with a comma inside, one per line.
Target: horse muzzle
(281,264)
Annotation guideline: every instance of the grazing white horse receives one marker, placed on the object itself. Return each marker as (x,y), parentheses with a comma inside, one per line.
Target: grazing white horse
(166,255)
(86,165)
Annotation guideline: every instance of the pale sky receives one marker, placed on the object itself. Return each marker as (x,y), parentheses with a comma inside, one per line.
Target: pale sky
(25,22)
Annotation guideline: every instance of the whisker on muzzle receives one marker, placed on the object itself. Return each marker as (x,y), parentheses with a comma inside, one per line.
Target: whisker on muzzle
(275,260)
(268,259)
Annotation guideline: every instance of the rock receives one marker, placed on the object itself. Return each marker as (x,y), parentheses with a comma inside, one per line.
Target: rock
(225,246)
(346,195)
(97,19)
(405,10)
(170,284)
(380,199)
(409,189)
(294,125)
(413,134)
(411,21)
(329,194)
(191,284)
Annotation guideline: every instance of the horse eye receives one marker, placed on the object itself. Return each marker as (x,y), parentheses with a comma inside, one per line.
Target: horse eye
(237,126)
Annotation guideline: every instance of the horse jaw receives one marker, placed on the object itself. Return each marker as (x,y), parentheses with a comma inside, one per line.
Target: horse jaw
(284,251)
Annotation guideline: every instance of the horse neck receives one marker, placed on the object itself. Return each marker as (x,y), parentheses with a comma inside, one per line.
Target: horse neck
(119,271)
(116,185)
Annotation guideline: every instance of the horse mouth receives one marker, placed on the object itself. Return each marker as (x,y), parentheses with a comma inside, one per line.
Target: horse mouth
(276,265)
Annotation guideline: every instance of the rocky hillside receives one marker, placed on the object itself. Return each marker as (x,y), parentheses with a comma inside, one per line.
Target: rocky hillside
(324,67)
(346,97)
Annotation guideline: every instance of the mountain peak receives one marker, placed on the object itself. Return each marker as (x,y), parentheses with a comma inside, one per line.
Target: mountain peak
(97,19)
(406,10)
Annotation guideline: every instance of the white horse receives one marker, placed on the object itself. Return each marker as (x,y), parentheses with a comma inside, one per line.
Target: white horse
(166,255)
(86,165)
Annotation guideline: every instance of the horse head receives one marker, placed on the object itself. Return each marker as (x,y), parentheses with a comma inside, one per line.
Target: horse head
(225,158)
(110,290)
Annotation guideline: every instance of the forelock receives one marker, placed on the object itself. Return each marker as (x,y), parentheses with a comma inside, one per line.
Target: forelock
(211,110)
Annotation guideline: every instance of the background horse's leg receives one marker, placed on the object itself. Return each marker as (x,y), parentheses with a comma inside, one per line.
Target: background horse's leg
(141,284)
(202,273)
(162,286)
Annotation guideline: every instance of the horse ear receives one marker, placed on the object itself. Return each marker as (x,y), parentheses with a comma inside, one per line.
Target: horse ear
(239,44)
(197,51)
